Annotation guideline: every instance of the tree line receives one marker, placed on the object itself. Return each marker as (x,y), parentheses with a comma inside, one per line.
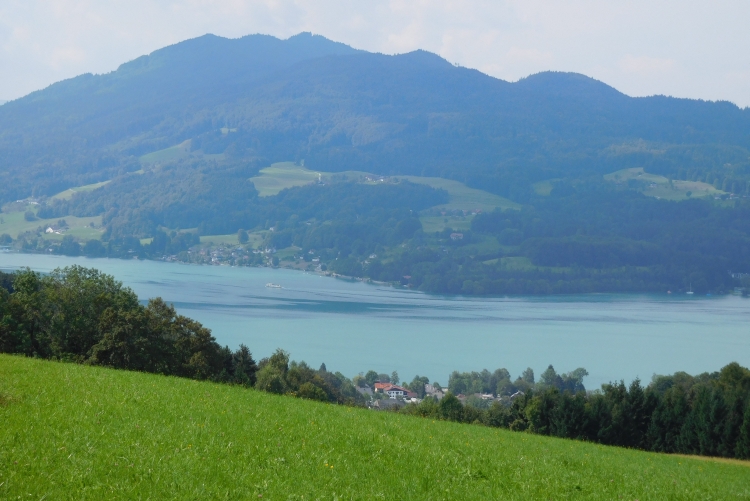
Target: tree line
(708,414)
(590,237)
(81,315)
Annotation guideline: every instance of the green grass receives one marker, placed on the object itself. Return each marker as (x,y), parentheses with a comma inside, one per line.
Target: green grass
(280,176)
(544,188)
(77,432)
(168,154)
(67,194)
(431,224)
(230,239)
(660,187)
(13,223)
(462,197)
(283,175)
(254,239)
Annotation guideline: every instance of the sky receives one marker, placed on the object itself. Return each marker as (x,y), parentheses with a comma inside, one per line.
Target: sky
(682,48)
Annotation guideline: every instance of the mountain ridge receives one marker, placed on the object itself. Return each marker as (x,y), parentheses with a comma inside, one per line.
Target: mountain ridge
(609,193)
(340,108)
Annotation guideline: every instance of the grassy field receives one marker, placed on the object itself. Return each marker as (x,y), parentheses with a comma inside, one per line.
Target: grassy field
(13,223)
(77,432)
(431,224)
(168,154)
(544,188)
(67,194)
(282,175)
(462,197)
(660,187)
(254,239)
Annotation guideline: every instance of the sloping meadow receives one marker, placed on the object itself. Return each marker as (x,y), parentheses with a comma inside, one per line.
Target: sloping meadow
(77,432)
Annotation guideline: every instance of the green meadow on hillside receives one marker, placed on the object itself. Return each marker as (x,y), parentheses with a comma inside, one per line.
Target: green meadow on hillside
(77,432)
(462,197)
(659,186)
(254,239)
(280,176)
(175,152)
(14,223)
(68,194)
(283,175)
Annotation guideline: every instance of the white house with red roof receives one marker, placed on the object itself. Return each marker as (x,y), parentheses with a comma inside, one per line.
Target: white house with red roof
(393,391)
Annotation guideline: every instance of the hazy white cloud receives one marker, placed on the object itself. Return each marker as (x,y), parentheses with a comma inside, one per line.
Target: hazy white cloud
(685,48)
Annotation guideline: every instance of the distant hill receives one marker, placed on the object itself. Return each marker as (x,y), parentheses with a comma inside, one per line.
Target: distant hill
(262,99)
(406,158)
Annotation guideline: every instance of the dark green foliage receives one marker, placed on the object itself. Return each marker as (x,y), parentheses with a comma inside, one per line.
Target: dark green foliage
(79,314)
(94,248)
(707,414)
(82,315)
(417,385)
(70,246)
(596,239)
(6,281)
(277,374)
(371,377)
(450,408)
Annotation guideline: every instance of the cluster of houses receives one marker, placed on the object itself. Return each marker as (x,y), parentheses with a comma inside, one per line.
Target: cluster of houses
(398,396)
(461,212)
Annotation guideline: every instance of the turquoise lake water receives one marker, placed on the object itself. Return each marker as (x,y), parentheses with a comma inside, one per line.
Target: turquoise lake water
(354,327)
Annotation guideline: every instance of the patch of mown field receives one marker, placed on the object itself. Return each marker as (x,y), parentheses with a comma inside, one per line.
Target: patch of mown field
(544,188)
(658,186)
(68,194)
(79,432)
(254,239)
(14,223)
(461,197)
(280,176)
(175,152)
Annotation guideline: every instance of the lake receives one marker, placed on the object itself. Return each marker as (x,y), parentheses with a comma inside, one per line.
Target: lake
(354,327)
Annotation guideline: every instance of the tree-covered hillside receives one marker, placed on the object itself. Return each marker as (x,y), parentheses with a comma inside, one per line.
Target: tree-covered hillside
(338,108)
(602,186)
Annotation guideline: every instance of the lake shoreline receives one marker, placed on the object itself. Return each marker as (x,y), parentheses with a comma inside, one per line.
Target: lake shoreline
(393,285)
(350,325)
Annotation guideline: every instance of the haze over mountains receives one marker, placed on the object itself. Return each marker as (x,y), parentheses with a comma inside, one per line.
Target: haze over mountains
(338,108)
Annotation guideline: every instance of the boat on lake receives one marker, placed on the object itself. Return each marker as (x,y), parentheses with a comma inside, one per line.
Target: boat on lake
(271,285)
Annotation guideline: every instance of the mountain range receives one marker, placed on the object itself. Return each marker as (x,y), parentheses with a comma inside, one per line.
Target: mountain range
(339,108)
(457,180)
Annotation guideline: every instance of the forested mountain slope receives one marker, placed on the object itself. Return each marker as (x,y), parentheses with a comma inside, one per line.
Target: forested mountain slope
(339,108)
(607,192)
